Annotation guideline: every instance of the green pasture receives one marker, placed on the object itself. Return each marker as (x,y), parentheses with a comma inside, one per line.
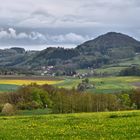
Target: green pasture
(105,85)
(133,61)
(108,70)
(8,87)
(82,126)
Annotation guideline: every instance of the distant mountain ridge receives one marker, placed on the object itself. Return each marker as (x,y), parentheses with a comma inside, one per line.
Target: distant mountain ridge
(106,49)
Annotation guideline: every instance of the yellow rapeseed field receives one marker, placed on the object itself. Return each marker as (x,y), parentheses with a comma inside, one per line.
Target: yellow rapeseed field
(27,82)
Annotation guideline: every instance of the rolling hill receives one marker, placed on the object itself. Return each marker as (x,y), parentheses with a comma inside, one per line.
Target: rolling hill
(108,49)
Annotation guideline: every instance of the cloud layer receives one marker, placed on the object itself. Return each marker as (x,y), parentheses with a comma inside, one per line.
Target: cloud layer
(62,13)
(66,21)
(33,38)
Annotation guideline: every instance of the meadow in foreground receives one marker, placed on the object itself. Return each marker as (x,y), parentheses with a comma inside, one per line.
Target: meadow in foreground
(82,126)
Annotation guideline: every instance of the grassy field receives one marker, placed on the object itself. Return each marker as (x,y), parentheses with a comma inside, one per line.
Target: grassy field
(101,85)
(105,85)
(82,126)
(7,87)
(135,60)
(108,70)
(34,112)
(116,68)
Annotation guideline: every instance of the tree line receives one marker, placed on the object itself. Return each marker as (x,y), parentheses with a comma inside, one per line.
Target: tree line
(62,100)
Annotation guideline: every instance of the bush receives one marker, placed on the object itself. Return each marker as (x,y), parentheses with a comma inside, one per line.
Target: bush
(30,97)
(8,109)
(85,84)
(40,96)
(29,106)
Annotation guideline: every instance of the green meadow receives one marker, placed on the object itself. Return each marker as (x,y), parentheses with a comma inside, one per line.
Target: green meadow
(8,87)
(108,70)
(105,85)
(82,126)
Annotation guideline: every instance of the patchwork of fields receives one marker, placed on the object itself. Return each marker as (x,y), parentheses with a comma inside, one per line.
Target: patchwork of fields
(82,126)
(101,85)
(13,84)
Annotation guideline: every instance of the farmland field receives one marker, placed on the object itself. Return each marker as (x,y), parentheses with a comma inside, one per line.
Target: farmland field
(105,85)
(108,70)
(27,82)
(82,126)
(102,85)
(12,84)
(7,87)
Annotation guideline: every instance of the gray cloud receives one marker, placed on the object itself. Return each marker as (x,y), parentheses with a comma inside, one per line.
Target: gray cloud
(12,37)
(41,12)
(69,38)
(61,13)
(64,21)
(12,34)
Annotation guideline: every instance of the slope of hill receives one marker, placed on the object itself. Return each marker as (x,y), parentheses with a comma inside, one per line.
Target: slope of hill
(115,45)
(110,48)
(14,56)
(53,56)
(106,49)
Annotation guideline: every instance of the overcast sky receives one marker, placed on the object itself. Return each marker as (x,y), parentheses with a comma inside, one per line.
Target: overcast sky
(38,23)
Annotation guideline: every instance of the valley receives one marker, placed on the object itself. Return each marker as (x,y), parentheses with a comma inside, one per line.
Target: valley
(77,93)
(69,70)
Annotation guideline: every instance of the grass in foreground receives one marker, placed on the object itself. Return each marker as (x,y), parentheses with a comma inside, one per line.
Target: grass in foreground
(82,126)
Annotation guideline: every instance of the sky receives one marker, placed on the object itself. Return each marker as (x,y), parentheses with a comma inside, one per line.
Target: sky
(36,24)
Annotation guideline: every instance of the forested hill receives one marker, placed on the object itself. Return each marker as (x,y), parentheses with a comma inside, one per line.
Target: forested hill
(106,49)
(110,43)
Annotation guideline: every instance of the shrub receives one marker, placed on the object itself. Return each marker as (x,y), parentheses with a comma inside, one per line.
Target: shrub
(135,98)
(29,106)
(8,109)
(41,97)
(30,97)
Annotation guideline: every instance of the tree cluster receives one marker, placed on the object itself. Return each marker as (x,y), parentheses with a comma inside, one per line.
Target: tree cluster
(131,71)
(62,100)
